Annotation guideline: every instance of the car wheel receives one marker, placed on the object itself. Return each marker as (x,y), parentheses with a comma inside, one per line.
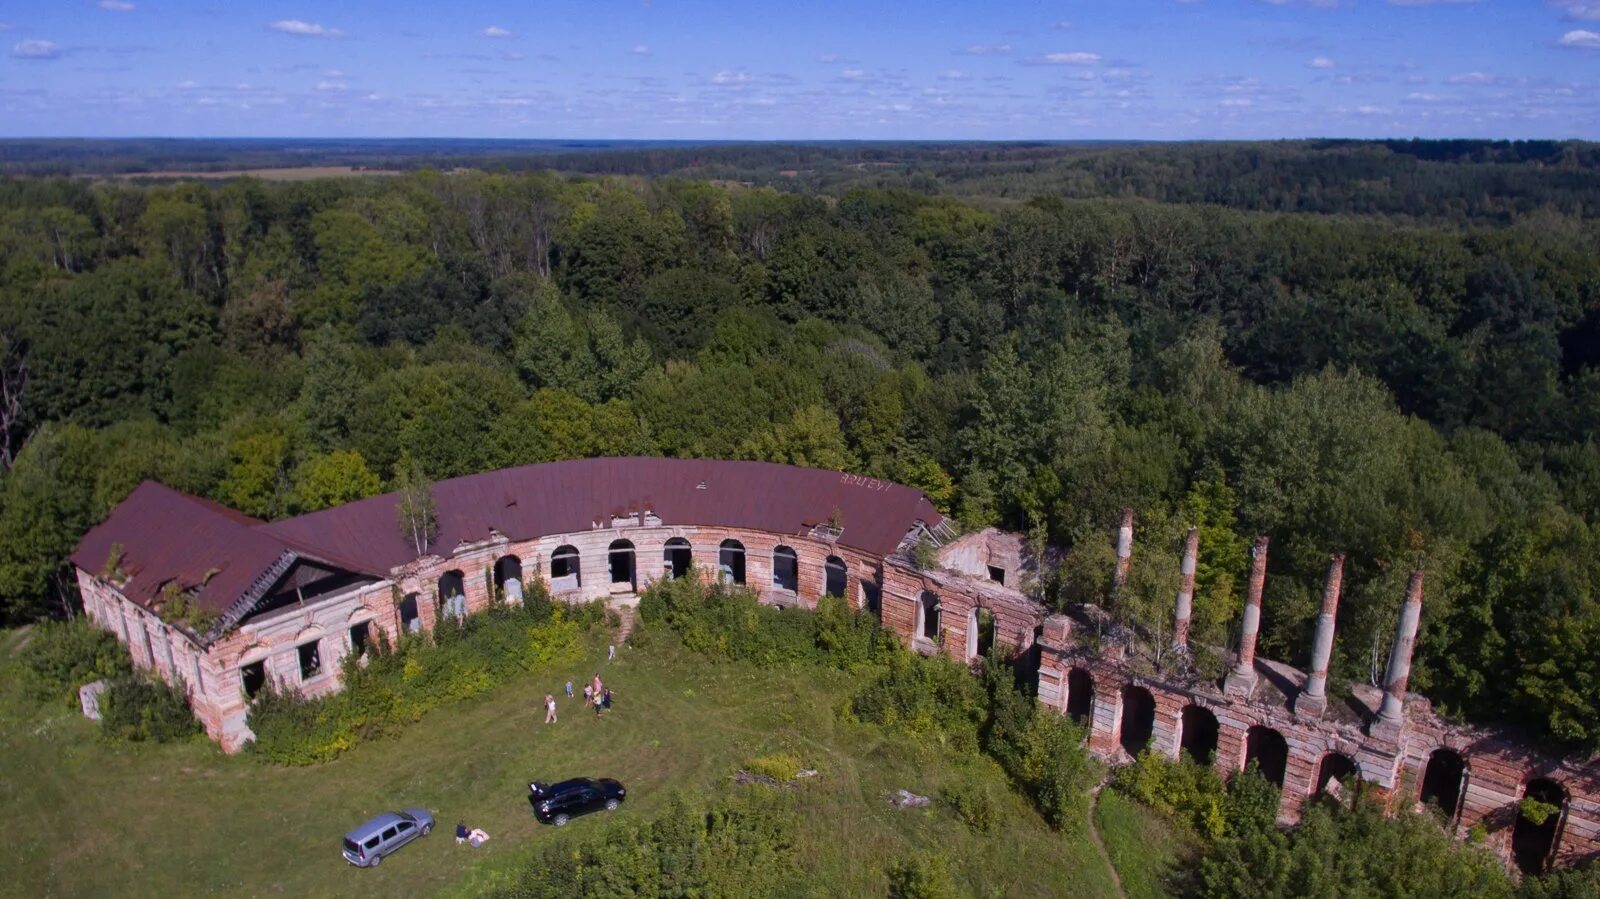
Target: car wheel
(427,829)
(560,820)
(375,860)
(612,804)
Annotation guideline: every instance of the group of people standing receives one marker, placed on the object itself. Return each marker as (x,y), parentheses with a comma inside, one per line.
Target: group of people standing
(595,693)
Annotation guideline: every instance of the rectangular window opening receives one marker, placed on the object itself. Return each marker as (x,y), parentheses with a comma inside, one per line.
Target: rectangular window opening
(253,677)
(360,635)
(310,660)
(998,575)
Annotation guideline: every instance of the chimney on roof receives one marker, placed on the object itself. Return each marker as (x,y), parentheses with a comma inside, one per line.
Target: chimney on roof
(1119,578)
(1313,699)
(1242,679)
(1391,713)
(1180,622)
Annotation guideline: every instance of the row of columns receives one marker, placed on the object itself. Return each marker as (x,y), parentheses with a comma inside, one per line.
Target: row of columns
(1242,678)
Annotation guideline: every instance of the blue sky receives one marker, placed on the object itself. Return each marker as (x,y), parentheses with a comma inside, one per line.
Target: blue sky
(702,69)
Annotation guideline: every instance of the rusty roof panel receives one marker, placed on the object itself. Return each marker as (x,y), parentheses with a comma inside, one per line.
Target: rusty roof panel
(166,534)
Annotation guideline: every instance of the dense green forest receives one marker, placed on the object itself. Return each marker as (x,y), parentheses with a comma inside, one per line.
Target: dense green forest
(1417,386)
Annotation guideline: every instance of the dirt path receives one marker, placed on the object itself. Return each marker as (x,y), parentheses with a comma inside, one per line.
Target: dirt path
(19,640)
(1094,837)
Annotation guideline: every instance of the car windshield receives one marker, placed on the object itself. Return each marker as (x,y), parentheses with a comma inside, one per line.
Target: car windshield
(352,846)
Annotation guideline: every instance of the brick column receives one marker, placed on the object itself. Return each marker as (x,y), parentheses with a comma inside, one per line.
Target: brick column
(1119,578)
(1391,713)
(1241,680)
(1314,698)
(1185,608)
(1105,717)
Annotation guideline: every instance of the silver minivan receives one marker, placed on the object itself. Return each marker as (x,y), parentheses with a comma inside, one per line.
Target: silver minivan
(365,846)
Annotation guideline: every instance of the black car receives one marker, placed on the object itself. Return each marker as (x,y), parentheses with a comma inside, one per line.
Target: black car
(561,802)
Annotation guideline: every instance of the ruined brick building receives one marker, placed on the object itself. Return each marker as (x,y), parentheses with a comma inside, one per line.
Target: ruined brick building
(221,605)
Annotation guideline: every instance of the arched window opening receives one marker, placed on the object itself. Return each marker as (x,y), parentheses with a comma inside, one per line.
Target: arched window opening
(676,557)
(730,561)
(564,569)
(253,677)
(1539,817)
(785,569)
(1442,780)
(980,633)
(836,576)
(928,616)
(1138,718)
(508,577)
(1198,734)
(620,559)
(1336,773)
(410,617)
(1269,750)
(453,593)
(1080,694)
(871,597)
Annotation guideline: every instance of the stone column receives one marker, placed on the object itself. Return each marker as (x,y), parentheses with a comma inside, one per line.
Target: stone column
(1242,679)
(1390,714)
(1124,553)
(1180,622)
(1314,698)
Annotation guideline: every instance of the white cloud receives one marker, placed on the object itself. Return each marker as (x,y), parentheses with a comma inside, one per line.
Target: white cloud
(512,56)
(1432,2)
(727,77)
(953,75)
(1321,62)
(640,50)
(299,28)
(987,49)
(853,74)
(495,31)
(5,26)
(1581,40)
(1421,97)
(1235,102)
(36,50)
(188,85)
(332,87)
(1076,58)
(117,5)
(1472,78)
(1578,10)
(828,58)
(333,73)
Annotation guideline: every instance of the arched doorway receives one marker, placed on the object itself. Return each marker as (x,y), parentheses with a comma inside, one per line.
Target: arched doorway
(508,577)
(564,569)
(1269,750)
(1138,718)
(836,576)
(410,615)
(1198,734)
(785,569)
(730,561)
(1539,817)
(1442,780)
(1336,767)
(1080,694)
(928,616)
(676,557)
(620,561)
(453,594)
(980,633)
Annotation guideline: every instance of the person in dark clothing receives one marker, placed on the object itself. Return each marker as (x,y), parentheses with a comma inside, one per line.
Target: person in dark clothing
(461,832)
(607,700)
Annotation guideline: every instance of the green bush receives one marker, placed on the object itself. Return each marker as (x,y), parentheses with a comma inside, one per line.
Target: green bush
(974,804)
(924,697)
(65,655)
(781,767)
(740,845)
(729,622)
(146,709)
(921,876)
(395,687)
(1194,793)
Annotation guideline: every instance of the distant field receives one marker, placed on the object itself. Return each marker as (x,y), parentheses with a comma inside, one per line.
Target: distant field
(300,173)
(88,818)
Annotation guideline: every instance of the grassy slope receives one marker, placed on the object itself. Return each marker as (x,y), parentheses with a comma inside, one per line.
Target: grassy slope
(88,818)
(1144,846)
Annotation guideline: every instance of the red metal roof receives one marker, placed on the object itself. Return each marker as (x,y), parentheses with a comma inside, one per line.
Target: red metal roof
(166,534)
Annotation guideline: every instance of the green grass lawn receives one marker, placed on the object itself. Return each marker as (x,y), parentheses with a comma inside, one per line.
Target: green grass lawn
(1143,844)
(92,818)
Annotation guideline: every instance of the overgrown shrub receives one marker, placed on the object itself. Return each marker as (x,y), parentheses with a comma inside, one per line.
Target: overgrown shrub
(395,687)
(974,804)
(921,875)
(740,845)
(65,655)
(1194,793)
(781,766)
(140,709)
(924,697)
(1041,750)
(728,621)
